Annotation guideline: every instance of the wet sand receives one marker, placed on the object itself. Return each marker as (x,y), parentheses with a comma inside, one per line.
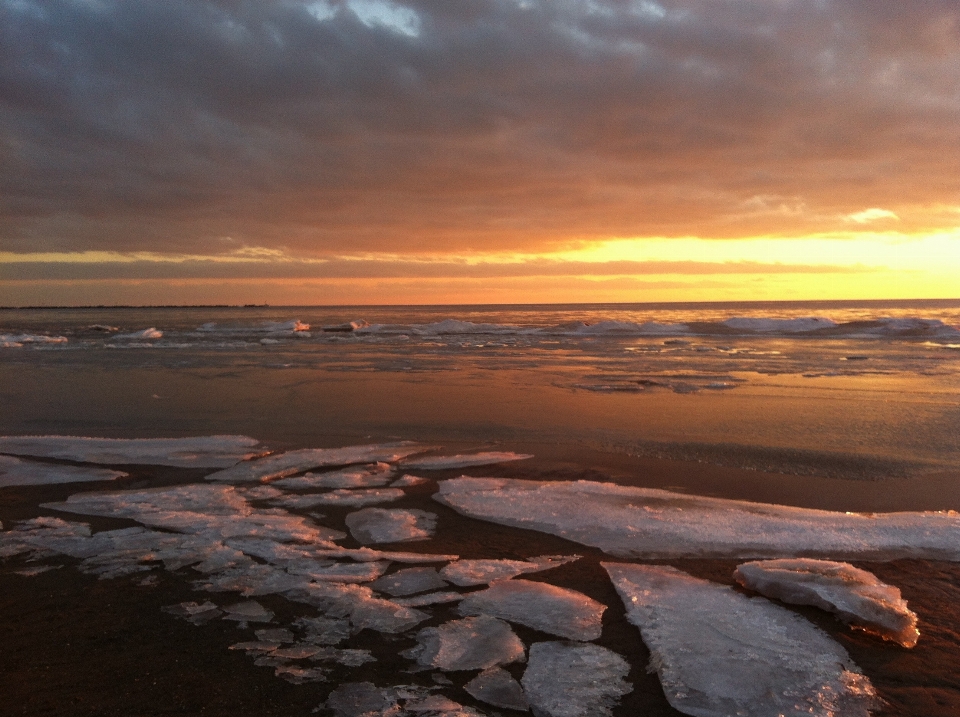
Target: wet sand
(78,646)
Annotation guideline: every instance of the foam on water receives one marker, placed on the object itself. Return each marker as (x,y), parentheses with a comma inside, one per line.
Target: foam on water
(719,653)
(14,471)
(855,595)
(652,523)
(200,452)
(550,609)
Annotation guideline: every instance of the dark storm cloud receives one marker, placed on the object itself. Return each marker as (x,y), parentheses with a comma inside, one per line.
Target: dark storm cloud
(171,125)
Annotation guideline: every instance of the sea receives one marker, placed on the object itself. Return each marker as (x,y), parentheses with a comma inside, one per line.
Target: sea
(851,407)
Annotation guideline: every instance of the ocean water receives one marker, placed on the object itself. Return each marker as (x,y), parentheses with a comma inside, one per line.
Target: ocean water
(837,388)
(464,509)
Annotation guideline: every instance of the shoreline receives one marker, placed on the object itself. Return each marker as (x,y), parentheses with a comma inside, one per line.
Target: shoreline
(76,646)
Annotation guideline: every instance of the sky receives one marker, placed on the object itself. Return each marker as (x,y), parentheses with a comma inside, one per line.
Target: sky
(481,151)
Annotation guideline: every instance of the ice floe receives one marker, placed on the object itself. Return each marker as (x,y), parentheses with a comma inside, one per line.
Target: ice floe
(719,653)
(197,613)
(358,604)
(437,598)
(363,476)
(496,687)
(151,333)
(652,523)
(574,680)
(550,609)
(462,460)
(481,572)
(200,452)
(358,497)
(215,511)
(14,471)
(855,595)
(473,643)
(409,581)
(407,480)
(16,341)
(281,465)
(379,525)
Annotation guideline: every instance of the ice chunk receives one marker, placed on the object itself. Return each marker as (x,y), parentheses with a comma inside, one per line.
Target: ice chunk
(473,643)
(323,630)
(301,675)
(338,572)
(407,480)
(377,525)
(15,341)
(360,605)
(216,511)
(436,598)
(364,476)
(197,613)
(496,687)
(350,658)
(248,611)
(14,471)
(855,595)
(150,333)
(275,634)
(364,496)
(719,653)
(558,611)
(38,570)
(353,699)
(201,451)
(437,463)
(281,465)
(364,554)
(481,572)
(574,680)
(651,523)
(409,581)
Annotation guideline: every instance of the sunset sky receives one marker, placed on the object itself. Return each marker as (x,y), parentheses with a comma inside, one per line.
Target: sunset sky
(448,151)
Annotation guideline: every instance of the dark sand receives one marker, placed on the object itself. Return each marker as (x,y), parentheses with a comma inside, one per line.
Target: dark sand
(77,646)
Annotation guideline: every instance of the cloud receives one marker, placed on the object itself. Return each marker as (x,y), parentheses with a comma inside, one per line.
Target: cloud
(871,215)
(445,125)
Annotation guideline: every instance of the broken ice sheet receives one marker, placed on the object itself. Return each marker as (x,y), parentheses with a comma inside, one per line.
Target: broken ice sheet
(353,699)
(217,511)
(281,465)
(301,675)
(363,496)
(200,452)
(36,537)
(496,687)
(323,630)
(481,572)
(437,598)
(575,680)
(197,613)
(407,480)
(463,460)
(473,643)
(359,604)
(557,611)
(650,523)
(350,658)
(14,471)
(719,653)
(378,525)
(248,611)
(363,476)
(855,595)
(409,581)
